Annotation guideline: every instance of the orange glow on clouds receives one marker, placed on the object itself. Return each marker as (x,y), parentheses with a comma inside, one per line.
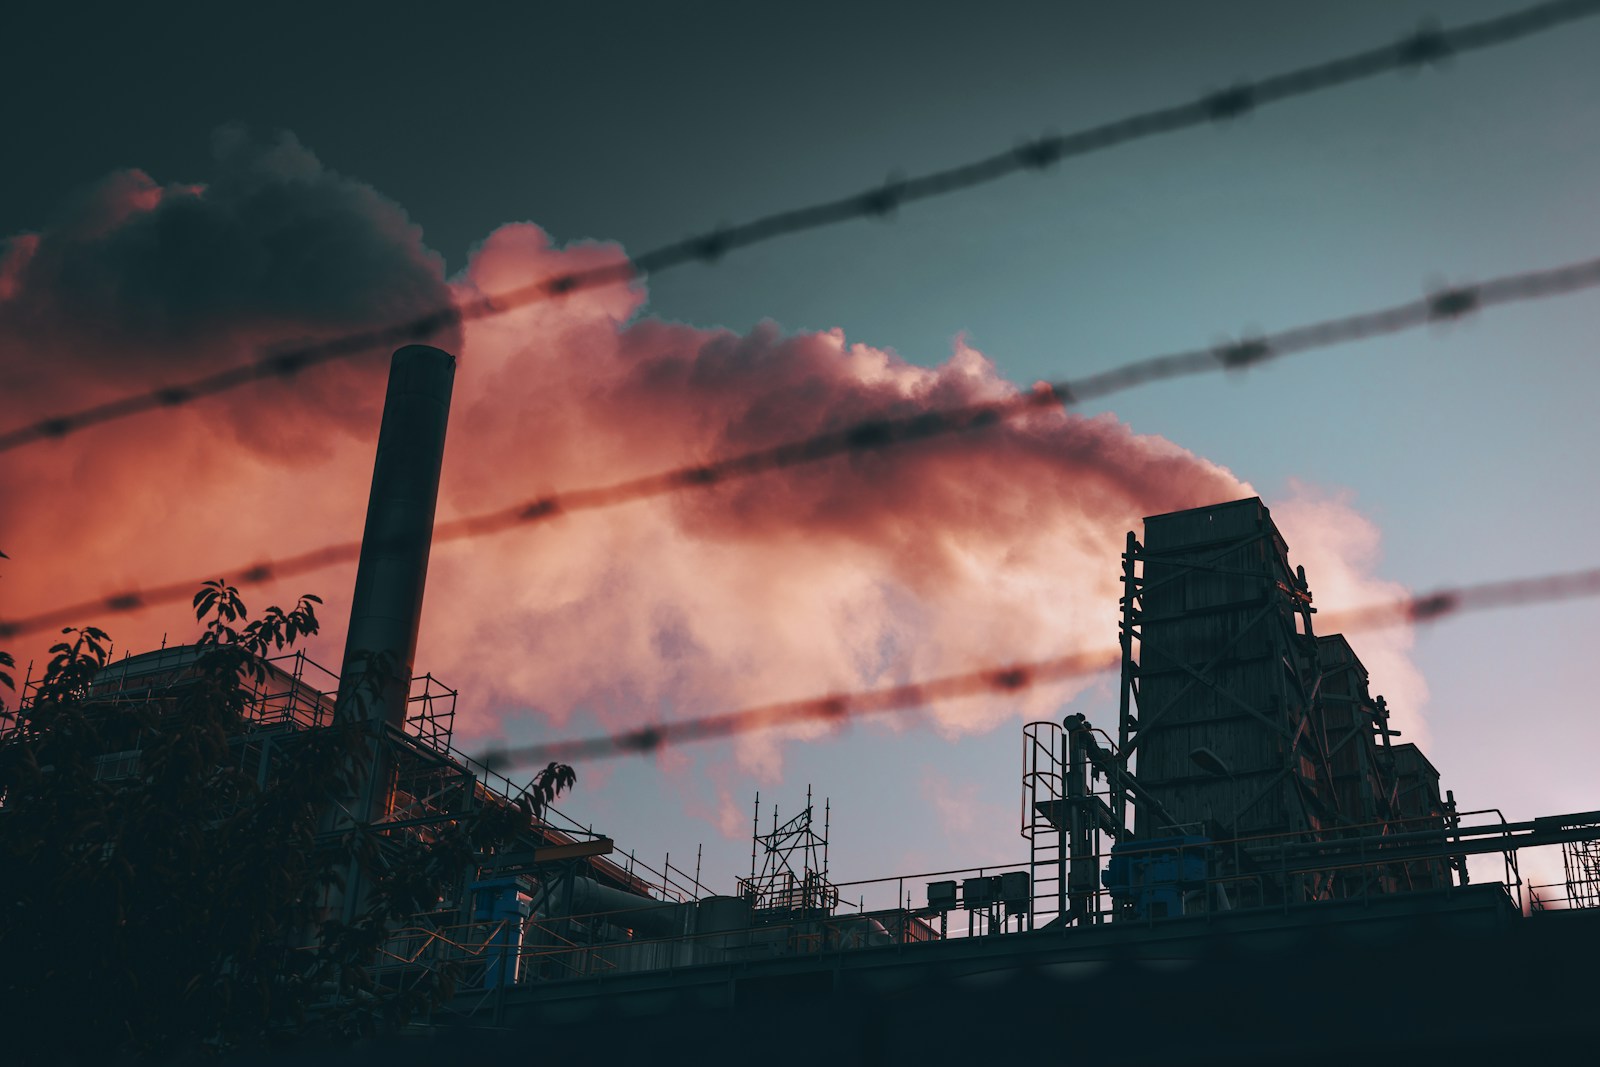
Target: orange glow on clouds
(865,570)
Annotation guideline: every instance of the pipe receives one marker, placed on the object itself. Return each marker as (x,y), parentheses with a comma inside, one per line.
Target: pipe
(1083,866)
(592,900)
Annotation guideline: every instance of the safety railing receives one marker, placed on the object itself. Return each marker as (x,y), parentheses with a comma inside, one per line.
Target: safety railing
(1284,871)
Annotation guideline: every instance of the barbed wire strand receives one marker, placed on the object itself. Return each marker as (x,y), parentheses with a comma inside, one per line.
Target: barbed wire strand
(876,434)
(841,708)
(1426,46)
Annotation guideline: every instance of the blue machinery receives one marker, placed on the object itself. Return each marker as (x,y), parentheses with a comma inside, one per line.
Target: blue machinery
(1159,878)
(502,900)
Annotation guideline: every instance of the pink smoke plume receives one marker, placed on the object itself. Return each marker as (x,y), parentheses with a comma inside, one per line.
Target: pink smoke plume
(867,570)
(136,284)
(870,569)
(1339,548)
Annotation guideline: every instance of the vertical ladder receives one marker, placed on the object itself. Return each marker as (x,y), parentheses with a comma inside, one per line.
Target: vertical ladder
(1043,802)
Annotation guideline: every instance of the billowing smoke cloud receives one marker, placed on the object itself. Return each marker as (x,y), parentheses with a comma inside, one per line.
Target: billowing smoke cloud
(1339,548)
(869,569)
(136,284)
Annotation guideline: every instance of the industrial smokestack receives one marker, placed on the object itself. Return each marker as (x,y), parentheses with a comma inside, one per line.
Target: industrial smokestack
(386,608)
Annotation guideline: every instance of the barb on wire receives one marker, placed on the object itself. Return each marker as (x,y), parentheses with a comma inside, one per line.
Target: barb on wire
(1483,596)
(833,708)
(877,434)
(1424,47)
(840,708)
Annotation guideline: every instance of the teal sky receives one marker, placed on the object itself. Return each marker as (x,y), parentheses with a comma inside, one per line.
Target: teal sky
(1472,446)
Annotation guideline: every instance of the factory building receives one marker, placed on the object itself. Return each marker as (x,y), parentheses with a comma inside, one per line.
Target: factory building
(1241,723)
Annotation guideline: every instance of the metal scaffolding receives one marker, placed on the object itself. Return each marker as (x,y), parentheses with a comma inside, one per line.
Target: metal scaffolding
(777,888)
(1580,863)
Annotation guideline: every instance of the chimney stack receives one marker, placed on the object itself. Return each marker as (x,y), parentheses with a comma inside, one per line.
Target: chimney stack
(386,608)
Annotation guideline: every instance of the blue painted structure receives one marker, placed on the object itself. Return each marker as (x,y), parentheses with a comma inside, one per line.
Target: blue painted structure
(494,900)
(1151,878)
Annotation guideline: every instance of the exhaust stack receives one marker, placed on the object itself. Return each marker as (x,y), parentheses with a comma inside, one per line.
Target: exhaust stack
(386,607)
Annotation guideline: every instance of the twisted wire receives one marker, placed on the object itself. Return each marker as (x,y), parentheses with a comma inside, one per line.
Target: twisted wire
(882,433)
(1425,47)
(841,708)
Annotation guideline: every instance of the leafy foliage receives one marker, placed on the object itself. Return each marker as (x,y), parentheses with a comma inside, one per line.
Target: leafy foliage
(163,883)
(548,784)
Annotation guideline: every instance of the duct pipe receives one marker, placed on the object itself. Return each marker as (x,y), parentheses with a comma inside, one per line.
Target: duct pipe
(1083,870)
(386,608)
(618,907)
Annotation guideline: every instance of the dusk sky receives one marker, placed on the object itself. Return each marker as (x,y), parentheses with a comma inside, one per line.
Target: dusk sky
(184,187)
